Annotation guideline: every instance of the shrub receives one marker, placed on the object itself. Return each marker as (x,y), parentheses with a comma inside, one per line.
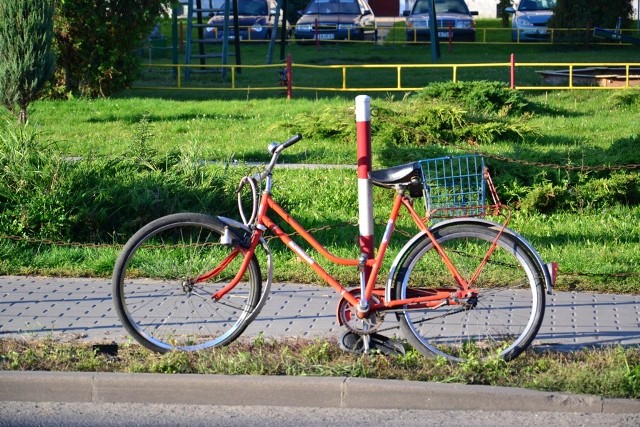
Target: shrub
(479,96)
(26,60)
(580,192)
(584,15)
(441,114)
(42,195)
(96,43)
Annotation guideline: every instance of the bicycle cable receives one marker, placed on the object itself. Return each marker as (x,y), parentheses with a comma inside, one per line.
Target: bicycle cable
(254,199)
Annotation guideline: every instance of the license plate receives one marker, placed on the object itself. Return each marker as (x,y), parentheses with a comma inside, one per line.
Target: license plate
(326,36)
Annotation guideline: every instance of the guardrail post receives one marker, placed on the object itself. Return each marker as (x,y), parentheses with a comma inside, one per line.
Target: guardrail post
(513,71)
(365,191)
(289,78)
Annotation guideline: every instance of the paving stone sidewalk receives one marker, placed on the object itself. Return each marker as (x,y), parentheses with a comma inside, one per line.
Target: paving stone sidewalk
(72,308)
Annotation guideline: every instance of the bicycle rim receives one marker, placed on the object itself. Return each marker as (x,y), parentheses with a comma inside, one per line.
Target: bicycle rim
(155,296)
(510,303)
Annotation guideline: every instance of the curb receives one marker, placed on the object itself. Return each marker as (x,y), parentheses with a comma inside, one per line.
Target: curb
(319,392)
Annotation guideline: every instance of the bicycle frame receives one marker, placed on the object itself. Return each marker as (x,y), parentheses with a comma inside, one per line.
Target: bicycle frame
(461,287)
(421,298)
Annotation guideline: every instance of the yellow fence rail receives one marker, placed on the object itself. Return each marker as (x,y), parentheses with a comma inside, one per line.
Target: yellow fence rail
(400,77)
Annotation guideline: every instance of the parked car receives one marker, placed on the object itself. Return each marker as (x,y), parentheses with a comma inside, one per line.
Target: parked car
(451,15)
(530,20)
(336,20)
(255,21)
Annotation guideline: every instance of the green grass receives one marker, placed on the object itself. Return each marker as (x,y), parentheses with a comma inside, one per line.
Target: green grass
(593,239)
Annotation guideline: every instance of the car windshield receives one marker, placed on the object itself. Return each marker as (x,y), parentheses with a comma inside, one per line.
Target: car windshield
(332,7)
(442,6)
(530,5)
(253,7)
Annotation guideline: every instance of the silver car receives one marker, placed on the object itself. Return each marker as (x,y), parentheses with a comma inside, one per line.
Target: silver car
(530,20)
(453,19)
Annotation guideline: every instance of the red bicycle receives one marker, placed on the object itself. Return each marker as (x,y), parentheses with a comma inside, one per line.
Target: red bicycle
(464,287)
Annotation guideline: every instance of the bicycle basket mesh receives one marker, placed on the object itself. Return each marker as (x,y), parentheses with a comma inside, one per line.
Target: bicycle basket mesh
(454,186)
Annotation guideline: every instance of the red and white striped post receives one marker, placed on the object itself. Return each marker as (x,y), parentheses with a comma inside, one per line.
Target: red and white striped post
(365,191)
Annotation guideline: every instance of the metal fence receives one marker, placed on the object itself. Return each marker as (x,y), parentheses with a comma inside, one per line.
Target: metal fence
(294,77)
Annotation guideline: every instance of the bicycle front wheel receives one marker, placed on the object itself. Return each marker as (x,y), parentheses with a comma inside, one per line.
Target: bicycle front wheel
(157,297)
(506,314)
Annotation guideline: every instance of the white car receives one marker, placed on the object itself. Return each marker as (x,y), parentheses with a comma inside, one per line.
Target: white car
(530,20)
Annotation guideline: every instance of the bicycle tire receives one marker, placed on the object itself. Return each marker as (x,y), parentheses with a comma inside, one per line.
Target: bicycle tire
(511,297)
(153,294)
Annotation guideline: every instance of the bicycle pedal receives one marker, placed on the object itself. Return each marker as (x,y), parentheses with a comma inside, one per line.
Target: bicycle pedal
(354,343)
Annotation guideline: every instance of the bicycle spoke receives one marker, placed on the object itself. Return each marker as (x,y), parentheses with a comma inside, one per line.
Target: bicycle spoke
(501,319)
(155,294)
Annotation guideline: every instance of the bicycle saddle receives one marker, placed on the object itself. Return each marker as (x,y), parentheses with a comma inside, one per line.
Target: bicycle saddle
(409,174)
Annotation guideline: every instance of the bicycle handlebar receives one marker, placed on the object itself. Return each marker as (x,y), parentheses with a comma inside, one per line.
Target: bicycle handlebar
(289,142)
(275,149)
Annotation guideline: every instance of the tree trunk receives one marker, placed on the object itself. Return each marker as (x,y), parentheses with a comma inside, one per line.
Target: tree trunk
(22,115)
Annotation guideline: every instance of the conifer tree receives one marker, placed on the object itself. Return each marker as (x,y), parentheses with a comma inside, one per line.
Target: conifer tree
(26,59)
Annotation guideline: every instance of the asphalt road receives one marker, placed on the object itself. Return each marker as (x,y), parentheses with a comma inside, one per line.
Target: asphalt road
(22,414)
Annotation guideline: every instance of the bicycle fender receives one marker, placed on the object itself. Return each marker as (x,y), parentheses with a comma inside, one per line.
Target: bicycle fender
(528,246)
(477,221)
(237,227)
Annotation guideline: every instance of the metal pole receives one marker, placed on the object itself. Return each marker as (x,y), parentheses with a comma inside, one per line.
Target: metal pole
(174,39)
(225,39)
(513,71)
(433,32)
(274,31)
(289,78)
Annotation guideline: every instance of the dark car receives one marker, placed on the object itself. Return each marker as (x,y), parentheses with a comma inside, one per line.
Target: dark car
(336,20)
(451,16)
(530,20)
(255,21)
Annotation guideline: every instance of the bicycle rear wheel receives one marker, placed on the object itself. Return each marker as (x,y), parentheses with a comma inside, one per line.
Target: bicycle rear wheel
(154,291)
(508,311)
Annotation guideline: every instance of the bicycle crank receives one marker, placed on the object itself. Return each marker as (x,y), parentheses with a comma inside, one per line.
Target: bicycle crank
(348,316)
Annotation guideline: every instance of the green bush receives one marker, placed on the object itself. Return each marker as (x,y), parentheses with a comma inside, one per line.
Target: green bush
(478,96)
(43,195)
(30,172)
(581,192)
(441,114)
(96,43)
(584,15)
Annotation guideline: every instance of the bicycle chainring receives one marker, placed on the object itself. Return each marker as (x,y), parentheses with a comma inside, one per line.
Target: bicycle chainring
(348,316)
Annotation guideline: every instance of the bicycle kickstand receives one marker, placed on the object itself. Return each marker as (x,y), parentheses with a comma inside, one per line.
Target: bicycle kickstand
(366,341)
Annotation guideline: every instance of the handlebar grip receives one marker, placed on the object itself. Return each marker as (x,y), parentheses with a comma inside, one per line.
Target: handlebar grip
(289,142)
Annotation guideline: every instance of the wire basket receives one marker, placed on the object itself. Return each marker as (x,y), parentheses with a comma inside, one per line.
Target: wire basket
(455,186)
